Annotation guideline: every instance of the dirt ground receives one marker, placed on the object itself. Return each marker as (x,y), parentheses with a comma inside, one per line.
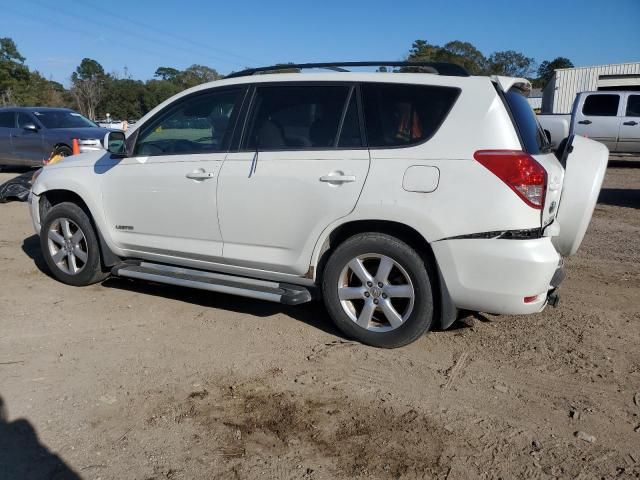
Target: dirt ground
(139,381)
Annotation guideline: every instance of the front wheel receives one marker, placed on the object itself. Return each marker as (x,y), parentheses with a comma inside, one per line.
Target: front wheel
(70,246)
(377,290)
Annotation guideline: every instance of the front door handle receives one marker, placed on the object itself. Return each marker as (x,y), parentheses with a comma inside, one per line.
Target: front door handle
(632,123)
(585,122)
(200,175)
(338,178)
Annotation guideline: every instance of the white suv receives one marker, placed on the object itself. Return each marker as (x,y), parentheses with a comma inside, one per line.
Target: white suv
(401,199)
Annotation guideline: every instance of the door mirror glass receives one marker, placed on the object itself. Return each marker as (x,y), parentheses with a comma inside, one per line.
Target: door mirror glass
(114,142)
(30,127)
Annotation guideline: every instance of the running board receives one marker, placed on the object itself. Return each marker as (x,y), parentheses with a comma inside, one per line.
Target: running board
(215,282)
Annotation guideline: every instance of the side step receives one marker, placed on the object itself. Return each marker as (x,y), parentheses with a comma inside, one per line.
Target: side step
(215,282)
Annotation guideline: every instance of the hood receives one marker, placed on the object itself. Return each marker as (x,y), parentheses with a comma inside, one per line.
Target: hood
(86,159)
(79,133)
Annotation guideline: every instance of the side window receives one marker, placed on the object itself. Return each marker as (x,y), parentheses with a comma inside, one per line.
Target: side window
(601,105)
(399,115)
(7,120)
(350,134)
(198,124)
(296,117)
(24,119)
(633,106)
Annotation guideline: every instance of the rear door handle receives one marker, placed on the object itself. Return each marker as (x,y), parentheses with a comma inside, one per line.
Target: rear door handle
(200,175)
(585,122)
(338,178)
(632,123)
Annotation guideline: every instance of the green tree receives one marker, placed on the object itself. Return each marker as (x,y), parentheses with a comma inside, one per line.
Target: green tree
(510,63)
(167,73)
(547,68)
(88,85)
(13,73)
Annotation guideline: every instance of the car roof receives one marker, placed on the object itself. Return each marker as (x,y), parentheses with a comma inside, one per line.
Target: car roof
(36,109)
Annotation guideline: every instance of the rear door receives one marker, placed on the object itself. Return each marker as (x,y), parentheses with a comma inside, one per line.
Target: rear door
(301,166)
(598,117)
(27,144)
(629,137)
(535,143)
(7,127)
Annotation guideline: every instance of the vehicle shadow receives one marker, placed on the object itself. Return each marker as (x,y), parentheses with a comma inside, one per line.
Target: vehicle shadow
(620,197)
(23,456)
(313,313)
(31,247)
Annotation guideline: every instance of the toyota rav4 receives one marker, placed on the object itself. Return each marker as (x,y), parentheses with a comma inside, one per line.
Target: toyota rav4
(401,199)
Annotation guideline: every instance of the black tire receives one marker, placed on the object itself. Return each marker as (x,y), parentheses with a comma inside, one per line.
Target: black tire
(63,150)
(91,269)
(418,317)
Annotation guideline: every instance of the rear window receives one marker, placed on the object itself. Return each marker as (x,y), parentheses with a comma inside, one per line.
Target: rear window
(601,105)
(399,115)
(533,139)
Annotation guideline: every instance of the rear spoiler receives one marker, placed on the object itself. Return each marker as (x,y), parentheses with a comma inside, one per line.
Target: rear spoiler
(507,83)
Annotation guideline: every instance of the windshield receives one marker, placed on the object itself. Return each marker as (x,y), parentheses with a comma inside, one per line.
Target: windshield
(63,119)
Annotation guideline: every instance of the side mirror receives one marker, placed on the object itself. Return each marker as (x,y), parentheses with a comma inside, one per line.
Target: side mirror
(114,142)
(30,127)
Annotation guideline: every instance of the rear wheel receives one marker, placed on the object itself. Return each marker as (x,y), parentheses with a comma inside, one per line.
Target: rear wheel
(70,246)
(377,290)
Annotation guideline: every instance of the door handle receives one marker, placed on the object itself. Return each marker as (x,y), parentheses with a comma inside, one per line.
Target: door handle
(585,122)
(200,175)
(338,178)
(632,123)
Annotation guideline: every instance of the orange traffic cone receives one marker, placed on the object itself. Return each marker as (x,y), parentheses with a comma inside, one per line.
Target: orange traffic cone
(76,147)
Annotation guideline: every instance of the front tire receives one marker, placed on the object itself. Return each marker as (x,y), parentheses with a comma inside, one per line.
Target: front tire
(70,246)
(377,290)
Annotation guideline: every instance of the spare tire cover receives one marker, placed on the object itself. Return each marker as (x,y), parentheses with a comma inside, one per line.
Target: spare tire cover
(584,172)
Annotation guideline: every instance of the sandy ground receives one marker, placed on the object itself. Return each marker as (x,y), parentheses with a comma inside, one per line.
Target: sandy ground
(139,381)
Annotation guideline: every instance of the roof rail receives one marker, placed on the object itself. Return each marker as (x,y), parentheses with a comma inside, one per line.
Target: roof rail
(439,68)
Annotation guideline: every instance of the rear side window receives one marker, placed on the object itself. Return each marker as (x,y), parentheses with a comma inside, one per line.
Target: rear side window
(399,115)
(7,120)
(633,106)
(298,117)
(532,136)
(601,105)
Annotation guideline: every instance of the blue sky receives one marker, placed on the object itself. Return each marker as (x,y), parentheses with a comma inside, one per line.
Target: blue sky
(141,35)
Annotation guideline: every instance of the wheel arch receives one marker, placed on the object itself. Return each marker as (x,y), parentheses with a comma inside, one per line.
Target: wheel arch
(445,312)
(53,197)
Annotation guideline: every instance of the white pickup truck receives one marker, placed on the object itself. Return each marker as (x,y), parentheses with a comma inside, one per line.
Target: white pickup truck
(612,118)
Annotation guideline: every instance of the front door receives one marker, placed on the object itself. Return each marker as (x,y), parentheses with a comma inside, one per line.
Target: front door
(162,199)
(597,118)
(302,166)
(27,143)
(629,138)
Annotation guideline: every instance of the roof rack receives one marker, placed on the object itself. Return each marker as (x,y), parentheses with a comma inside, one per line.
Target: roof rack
(439,68)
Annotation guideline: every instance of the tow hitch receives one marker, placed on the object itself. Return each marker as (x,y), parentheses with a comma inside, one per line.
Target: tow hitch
(553,298)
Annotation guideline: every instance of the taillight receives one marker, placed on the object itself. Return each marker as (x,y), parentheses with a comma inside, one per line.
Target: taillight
(519,170)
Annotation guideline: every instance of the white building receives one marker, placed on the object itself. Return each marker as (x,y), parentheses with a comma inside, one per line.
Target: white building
(566,83)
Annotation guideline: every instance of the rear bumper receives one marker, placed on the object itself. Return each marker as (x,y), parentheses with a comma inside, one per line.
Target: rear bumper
(495,275)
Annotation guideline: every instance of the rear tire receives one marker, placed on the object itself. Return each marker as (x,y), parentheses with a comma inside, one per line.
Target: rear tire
(377,290)
(70,246)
